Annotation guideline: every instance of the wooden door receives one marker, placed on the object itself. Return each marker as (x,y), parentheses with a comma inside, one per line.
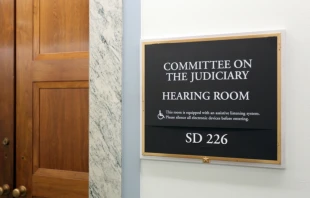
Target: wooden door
(6,93)
(52,98)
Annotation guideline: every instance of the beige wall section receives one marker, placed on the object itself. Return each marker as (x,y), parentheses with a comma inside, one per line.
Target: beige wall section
(182,18)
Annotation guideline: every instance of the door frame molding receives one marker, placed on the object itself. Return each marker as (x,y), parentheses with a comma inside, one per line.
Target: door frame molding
(7,97)
(105,134)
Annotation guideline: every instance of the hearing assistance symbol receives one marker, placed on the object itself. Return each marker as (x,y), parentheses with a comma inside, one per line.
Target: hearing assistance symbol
(160,116)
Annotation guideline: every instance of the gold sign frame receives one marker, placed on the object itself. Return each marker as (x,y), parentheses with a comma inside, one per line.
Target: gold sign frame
(207,159)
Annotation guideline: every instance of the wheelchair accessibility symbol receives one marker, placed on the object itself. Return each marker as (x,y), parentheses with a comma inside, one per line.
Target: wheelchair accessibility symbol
(160,116)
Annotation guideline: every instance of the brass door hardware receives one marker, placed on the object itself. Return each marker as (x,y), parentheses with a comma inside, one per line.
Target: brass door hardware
(20,191)
(6,141)
(5,189)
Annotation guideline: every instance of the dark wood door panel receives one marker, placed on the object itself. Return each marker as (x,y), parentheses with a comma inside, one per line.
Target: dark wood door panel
(61,130)
(52,97)
(59,23)
(60,184)
(7,91)
(60,29)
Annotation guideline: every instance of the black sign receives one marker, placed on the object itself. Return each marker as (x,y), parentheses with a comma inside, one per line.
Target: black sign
(213,98)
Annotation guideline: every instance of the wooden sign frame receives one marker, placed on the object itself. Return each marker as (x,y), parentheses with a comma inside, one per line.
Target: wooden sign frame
(279,163)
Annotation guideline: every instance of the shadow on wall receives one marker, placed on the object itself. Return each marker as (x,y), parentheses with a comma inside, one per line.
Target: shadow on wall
(208,173)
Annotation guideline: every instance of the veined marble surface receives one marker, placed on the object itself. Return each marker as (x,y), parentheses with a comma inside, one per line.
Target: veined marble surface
(105,99)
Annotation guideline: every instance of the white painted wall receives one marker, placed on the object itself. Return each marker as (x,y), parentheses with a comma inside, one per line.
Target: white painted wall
(175,18)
